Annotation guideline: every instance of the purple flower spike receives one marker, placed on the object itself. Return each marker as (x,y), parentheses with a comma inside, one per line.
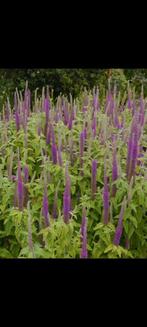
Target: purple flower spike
(56,117)
(129,104)
(70,122)
(26,174)
(114,170)
(119,228)
(66,114)
(17,120)
(54,154)
(96,100)
(93,178)
(55,208)
(84,252)
(46,107)
(140,155)
(129,156)
(66,207)
(133,108)
(134,156)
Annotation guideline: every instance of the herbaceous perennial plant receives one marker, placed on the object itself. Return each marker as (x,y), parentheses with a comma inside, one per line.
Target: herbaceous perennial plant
(73,175)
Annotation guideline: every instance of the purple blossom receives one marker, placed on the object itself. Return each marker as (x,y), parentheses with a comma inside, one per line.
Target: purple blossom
(114,170)
(70,122)
(133,147)
(84,252)
(17,120)
(133,108)
(129,156)
(56,117)
(66,207)
(54,154)
(108,99)
(73,113)
(119,228)
(66,114)
(93,178)
(96,100)
(27,100)
(109,105)
(94,123)
(129,103)
(46,108)
(140,155)
(116,121)
(26,174)
(134,155)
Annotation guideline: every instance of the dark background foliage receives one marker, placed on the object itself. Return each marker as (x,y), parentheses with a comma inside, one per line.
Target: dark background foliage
(67,80)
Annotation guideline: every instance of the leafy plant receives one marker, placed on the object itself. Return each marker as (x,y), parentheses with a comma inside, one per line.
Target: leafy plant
(73,180)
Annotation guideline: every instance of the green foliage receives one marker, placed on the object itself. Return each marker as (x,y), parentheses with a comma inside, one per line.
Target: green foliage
(63,80)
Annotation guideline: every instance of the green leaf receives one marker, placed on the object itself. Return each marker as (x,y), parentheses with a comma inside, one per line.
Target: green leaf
(130,231)
(109,248)
(4,253)
(134,221)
